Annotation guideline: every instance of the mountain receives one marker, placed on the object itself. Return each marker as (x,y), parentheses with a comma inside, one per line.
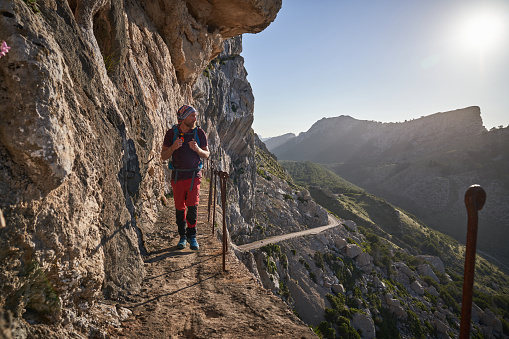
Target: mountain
(275,142)
(423,165)
(382,273)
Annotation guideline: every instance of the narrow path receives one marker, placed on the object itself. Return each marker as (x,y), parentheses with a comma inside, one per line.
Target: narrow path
(186,294)
(333,222)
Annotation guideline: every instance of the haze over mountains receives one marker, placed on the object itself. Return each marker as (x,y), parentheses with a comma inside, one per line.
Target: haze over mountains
(423,165)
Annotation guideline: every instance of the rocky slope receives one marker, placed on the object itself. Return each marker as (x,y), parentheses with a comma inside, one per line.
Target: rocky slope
(392,277)
(280,206)
(87,92)
(345,284)
(424,166)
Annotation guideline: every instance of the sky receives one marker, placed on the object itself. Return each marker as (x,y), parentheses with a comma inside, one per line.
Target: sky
(388,61)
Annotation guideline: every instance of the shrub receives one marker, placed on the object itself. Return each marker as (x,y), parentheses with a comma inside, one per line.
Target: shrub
(271,267)
(346,330)
(312,275)
(387,325)
(283,289)
(326,330)
(318,257)
(271,249)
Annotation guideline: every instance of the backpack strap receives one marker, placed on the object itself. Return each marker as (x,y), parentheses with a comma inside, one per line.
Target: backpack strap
(195,170)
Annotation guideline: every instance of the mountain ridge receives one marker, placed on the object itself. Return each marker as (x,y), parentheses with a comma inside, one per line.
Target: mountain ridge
(424,166)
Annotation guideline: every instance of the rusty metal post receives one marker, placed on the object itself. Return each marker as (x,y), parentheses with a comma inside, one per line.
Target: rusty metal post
(223,177)
(475,197)
(211,169)
(214,204)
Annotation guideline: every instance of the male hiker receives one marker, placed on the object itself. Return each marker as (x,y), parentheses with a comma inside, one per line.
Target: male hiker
(186,144)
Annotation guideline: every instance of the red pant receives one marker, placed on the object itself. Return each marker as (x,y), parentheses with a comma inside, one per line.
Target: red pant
(182,196)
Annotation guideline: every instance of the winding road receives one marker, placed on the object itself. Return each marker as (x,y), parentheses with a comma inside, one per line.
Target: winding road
(333,222)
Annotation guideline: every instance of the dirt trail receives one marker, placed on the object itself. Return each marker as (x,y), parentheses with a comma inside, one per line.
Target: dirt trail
(333,222)
(187,295)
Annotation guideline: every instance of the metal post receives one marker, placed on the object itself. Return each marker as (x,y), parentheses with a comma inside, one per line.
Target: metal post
(475,197)
(214,204)
(211,169)
(223,177)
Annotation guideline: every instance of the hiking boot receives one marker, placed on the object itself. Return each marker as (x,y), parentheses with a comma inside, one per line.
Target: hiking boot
(182,243)
(193,243)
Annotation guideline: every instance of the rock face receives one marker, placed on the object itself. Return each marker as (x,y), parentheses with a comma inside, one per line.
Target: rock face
(423,166)
(87,92)
(225,96)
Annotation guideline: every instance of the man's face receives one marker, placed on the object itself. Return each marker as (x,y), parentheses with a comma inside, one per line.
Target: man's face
(190,121)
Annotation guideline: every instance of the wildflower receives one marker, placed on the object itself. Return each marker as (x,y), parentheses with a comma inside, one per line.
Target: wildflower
(4,49)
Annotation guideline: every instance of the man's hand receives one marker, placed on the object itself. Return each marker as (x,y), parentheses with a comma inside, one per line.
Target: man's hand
(167,152)
(177,144)
(202,152)
(194,146)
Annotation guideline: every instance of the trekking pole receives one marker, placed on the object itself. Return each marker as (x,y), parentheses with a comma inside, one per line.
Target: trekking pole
(211,169)
(214,204)
(475,197)
(224,176)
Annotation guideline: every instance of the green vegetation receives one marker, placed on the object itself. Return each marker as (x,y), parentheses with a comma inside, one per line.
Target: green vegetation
(216,63)
(310,174)
(272,250)
(109,63)
(36,294)
(33,5)
(287,196)
(283,290)
(312,275)
(344,269)
(387,325)
(338,315)
(392,235)
(266,165)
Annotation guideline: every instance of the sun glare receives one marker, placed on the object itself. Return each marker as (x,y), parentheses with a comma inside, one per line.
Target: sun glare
(482,30)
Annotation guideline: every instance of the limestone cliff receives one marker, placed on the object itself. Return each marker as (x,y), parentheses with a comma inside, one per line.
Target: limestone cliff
(87,92)
(225,96)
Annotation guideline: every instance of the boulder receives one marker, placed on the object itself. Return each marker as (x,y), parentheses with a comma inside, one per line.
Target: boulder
(341,243)
(433,291)
(436,262)
(364,259)
(395,306)
(440,315)
(404,269)
(426,270)
(476,313)
(338,289)
(416,286)
(353,250)
(2,219)
(305,195)
(441,326)
(378,283)
(351,225)
(488,318)
(364,323)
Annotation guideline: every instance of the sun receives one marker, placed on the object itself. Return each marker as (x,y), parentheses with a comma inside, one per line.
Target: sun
(482,30)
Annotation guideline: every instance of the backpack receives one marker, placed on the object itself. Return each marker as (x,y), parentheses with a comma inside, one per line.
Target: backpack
(177,170)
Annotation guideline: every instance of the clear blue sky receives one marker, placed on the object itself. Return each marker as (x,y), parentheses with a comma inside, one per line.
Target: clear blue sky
(389,61)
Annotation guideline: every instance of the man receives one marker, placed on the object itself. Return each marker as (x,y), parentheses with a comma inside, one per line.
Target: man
(186,153)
